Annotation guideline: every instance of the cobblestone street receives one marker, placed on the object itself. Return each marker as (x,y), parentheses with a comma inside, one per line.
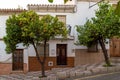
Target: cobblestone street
(64,73)
(28,76)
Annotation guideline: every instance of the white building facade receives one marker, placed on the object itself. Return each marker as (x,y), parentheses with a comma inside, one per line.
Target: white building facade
(60,53)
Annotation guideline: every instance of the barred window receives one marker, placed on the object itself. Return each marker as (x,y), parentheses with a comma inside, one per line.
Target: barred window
(40,48)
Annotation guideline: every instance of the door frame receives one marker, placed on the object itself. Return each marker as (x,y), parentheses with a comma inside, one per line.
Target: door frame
(19,58)
(62,56)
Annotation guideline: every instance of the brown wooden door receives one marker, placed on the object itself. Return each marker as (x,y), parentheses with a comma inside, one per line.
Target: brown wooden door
(61,54)
(115,47)
(18,59)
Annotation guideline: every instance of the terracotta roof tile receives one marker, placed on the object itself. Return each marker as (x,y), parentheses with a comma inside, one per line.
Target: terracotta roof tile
(11,11)
(51,8)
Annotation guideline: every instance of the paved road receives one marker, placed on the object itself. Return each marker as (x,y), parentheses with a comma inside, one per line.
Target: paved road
(108,76)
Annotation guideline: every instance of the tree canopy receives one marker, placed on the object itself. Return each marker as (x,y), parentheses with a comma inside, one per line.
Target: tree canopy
(51,27)
(28,28)
(105,25)
(51,1)
(117,10)
(21,28)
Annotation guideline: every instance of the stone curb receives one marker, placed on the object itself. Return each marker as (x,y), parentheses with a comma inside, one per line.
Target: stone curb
(92,71)
(61,74)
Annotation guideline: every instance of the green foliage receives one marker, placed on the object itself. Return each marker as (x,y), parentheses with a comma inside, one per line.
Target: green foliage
(105,24)
(13,33)
(27,28)
(29,23)
(117,10)
(65,1)
(21,28)
(50,27)
(50,1)
(86,34)
(108,65)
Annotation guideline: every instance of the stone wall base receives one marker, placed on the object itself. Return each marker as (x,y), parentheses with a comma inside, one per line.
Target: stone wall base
(6,68)
(82,56)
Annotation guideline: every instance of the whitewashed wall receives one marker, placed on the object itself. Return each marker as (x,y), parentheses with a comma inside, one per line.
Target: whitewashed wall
(82,12)
(4,57)
(3,25)
(70,47)
(52,48)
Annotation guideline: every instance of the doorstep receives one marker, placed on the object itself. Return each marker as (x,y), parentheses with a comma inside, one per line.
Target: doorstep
(17,72)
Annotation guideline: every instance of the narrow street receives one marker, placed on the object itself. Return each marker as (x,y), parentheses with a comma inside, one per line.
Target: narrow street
(108,76)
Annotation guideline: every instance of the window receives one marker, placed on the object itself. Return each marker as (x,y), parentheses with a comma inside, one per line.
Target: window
(93,48)
(62,18)
(40,48)
(114,5)
(40,16)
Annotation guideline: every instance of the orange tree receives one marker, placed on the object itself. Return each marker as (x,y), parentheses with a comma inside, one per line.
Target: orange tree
(117,10)
(51,1)
(28,29)
(105,25)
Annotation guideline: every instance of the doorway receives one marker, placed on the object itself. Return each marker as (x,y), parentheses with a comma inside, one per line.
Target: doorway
(17,60)
(61,54)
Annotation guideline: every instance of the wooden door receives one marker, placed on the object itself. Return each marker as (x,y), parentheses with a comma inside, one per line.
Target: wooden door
(18,59)
(61,54)
(115,47)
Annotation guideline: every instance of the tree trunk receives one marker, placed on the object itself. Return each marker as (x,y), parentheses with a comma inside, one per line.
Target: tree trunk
(104,51)
(42,62)
(43,69)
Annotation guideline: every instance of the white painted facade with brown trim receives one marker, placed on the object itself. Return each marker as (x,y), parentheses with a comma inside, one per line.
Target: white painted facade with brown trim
(74,13)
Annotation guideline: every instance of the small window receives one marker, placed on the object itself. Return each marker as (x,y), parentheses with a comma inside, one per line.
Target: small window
(62,18)
(114,5)
(41,16)
(93,48)
(40,48)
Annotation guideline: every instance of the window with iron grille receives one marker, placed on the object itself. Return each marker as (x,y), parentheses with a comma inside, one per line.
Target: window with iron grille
(40,48)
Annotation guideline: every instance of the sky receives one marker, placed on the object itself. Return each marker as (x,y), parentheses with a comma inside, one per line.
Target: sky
(23,3)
